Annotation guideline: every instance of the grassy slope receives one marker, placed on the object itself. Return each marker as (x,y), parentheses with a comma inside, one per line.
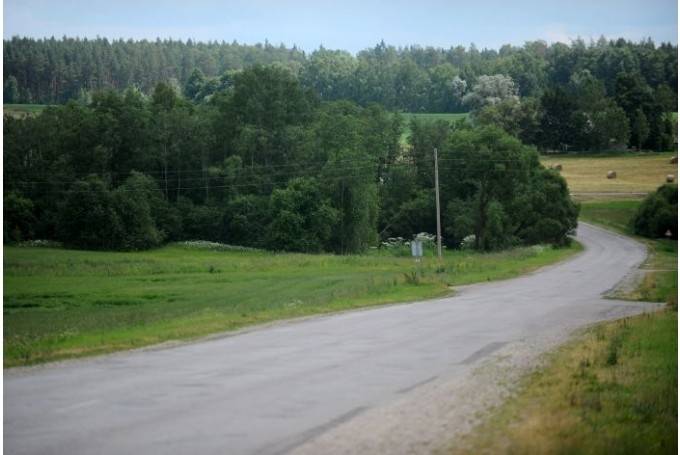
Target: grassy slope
(64,303)
(636,172)
(611,390)
(614,390)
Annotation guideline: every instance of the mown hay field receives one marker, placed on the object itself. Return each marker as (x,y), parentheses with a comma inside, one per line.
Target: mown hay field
(636,173)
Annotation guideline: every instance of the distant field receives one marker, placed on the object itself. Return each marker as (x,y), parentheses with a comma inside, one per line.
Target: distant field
(62,303)
(19,110)
(636,173)
(427,117)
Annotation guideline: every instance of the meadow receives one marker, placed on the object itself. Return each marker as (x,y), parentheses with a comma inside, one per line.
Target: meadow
(61,303)
(637,173)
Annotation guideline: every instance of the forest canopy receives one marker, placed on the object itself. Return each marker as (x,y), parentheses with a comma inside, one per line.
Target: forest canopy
(267,163)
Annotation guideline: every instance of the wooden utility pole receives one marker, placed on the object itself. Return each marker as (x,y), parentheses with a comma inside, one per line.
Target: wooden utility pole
(436,192)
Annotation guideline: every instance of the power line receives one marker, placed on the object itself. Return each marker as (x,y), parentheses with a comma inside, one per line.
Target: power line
(308,168)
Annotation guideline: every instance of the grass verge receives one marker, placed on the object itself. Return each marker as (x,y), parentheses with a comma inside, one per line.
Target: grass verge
(63,303)
(612,390)
(660,280)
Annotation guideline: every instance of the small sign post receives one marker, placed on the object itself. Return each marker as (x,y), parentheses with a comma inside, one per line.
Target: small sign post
(417,249)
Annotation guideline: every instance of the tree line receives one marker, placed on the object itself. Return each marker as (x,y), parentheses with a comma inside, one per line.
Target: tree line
(412,79)
(267,162)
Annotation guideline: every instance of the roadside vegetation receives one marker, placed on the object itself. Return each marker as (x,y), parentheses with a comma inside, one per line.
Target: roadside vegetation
(613,389)
(660,275)
(62,303)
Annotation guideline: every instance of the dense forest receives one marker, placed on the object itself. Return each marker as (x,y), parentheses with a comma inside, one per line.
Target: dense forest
(267,163)
(413,79)
(601,95)
(270,147)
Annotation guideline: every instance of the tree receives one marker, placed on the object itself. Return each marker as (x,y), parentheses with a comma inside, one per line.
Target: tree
(19,218)
(499,192)
(330,73)
(446,89)
(200,222)
(11,90)
(245,219)
(132,205)
(490,90)
(544,210)
(556,128)
(640,128)
(194,84)
(301,218)
(88,218)
(658,214)
(520,119)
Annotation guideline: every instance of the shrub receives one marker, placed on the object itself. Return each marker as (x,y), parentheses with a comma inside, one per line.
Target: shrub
(88,218)
(18,218)
(202,222)
(658,213)
(138,228)
(301,220)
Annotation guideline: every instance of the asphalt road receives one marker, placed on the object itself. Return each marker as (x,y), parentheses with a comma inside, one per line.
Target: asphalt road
(270,390)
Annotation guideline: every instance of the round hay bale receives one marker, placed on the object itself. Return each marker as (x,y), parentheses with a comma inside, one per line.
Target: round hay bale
(670,178)
(674,160)
(611,174)
(557,167)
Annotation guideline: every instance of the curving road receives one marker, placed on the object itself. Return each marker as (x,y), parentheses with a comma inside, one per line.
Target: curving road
(270,390)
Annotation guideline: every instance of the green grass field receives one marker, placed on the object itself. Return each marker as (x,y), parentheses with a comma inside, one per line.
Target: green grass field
(613,389)
(20,110)
(63,303)
(636,173)
(426,117)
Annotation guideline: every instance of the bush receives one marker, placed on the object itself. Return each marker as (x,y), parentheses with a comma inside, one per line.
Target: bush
(94,217)
(658,214)
(200,222)
(302,220)
(133,207)
(18,218)
(88,218)
(244,220)
(166,217)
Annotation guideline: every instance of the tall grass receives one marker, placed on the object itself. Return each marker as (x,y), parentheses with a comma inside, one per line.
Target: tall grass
(612,390)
